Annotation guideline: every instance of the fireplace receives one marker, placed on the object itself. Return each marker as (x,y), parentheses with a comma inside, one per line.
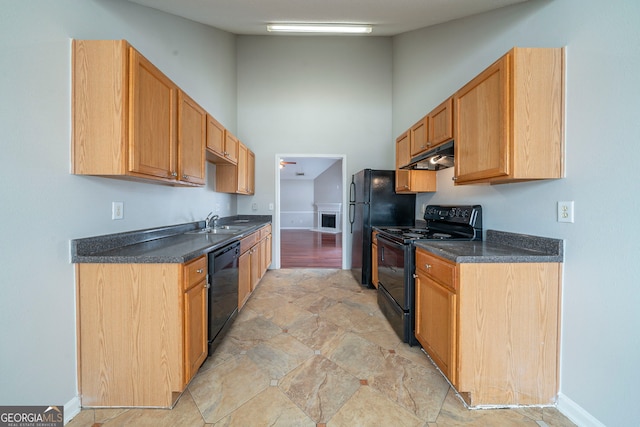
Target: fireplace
(328,220)
(328,217)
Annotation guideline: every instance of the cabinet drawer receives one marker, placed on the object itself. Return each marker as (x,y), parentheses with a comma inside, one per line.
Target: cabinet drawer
(265,231)
(195,271)
(437,268)
(249,241)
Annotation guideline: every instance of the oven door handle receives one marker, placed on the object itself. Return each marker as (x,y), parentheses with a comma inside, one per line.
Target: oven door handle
(390,242)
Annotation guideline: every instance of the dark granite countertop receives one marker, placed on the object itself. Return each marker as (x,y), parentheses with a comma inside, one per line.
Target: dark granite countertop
(499,246)
(161,245)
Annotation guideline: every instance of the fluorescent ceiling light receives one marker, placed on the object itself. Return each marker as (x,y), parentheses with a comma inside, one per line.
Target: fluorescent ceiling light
(320,28)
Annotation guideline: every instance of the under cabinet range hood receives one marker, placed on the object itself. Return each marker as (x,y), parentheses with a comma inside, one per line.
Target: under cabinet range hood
(440,157)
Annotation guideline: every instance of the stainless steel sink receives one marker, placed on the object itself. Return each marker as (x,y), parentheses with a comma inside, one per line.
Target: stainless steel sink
(219,230)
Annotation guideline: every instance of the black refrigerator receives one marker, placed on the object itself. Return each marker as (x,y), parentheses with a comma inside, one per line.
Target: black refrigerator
(373,202)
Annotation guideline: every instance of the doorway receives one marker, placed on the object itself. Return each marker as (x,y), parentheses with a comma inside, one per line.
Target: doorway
(302,183)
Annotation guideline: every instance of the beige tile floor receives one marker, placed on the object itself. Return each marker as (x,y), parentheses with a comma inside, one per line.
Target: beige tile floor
(311,348)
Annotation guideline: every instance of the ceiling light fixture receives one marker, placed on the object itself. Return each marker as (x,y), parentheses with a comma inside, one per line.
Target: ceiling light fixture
(320,28)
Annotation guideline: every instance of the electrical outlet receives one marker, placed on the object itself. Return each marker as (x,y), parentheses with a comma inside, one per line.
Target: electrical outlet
(270,206)
(117,210)
(565,211)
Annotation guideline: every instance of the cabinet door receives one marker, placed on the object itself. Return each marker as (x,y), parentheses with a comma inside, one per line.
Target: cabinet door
(268,255)
(242,169)
(192,129)
(251,172)
(216,134)
(418,135)
(374,260)
(481,109)
(441,124)
(436,323)
(231,146)
(402,158)
(244,278)
(152,121)
(255,266)
(195,322)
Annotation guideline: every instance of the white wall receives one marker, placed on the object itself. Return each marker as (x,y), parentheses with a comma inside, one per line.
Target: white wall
(313,95)
(327,187)
(44,206)
(296,203)
(600,341)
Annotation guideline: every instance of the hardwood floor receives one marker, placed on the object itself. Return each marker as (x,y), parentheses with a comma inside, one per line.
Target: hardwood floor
(310,249)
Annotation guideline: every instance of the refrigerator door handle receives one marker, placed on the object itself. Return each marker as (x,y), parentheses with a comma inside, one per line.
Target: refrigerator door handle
(352,215)
(352,192)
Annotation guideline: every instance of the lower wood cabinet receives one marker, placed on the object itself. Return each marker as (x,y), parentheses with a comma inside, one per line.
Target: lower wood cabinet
(142,332)
(255,258)
(195,316)
(374,259)
(436,312)
(492,329)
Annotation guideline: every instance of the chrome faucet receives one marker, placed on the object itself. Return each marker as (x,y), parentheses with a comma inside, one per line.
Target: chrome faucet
(211,221)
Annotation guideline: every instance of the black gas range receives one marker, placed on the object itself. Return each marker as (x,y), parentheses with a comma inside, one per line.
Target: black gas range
(396,259)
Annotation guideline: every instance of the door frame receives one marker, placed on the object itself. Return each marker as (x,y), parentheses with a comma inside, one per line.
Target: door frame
(276,219)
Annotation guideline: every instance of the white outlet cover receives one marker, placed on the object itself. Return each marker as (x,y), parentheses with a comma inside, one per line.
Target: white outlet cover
(117,210)
(565,211)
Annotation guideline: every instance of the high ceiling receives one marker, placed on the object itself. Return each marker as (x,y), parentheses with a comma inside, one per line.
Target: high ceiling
(388,17)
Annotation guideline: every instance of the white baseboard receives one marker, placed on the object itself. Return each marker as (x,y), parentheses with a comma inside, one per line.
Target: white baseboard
(576,413)
(71,409)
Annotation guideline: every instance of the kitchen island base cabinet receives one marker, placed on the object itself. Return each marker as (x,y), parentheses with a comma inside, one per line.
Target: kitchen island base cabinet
(492,328)
(136,345)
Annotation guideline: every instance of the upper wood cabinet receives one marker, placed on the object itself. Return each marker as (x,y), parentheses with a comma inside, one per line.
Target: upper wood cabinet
(126,118)
(509,119)
(222,145)
(418,135)
(192,131)
(432,130)
(411,181)
(441,124)
(238,178)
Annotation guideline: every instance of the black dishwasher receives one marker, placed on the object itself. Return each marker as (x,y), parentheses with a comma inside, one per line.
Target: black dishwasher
(223,292)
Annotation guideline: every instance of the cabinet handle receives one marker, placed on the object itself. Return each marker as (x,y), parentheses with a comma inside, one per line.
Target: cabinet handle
(185,177)
(427,266)
(415,276)
(453,178)
(199,271)
(174,173)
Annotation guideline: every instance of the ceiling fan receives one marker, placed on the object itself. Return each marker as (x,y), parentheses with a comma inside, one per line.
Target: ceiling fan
(283,163)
